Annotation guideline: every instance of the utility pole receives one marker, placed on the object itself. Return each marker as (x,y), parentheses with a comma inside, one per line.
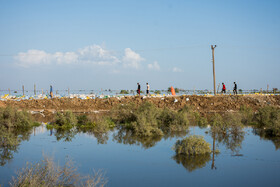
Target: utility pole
(214,79)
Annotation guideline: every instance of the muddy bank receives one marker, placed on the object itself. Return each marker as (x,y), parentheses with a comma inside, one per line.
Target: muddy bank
(203,104)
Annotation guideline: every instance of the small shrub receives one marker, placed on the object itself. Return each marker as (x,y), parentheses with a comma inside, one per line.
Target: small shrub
(201,121)
(124,92)
(157,92)
(217,124)
(84,122)
(247,115)
(12,118)
(123,113)
(67,120)
(192,145)
(268,118)
(146,120)
(102,124)
(149,120)
(170,120)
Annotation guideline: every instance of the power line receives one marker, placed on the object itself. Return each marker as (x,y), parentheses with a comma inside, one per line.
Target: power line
(136,50)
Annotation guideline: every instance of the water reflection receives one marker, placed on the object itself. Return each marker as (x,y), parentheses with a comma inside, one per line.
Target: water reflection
(265,136)
(101,137)
(192,163)
(125,136)
(213,152)
(231,136)
(10,140)
(68,135)
(64,134)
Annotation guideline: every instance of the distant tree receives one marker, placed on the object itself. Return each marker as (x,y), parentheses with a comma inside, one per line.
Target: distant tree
(124,92)
(157,92)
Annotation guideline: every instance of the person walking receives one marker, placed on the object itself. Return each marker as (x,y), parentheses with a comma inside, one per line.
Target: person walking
(235,88)
(148,89)
(224,88)
(138,89)
(51,91)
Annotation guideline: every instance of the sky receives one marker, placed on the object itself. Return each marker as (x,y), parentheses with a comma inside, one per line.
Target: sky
(111,44)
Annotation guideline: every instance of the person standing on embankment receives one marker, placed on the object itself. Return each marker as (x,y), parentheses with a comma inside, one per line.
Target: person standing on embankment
(148,89)
(138,88)
(51,91)
(235,88)
(224,88)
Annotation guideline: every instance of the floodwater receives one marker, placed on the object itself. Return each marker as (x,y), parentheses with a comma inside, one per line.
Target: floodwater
(129,161)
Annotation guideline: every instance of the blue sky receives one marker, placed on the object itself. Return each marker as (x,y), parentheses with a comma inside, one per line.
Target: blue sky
(113,44)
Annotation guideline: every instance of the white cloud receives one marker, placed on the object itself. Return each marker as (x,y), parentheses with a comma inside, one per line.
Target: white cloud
(94,54)
(33,57)
(89,56)
(131,59)
(97,55)
(175,69)
(67,58)
(154,66)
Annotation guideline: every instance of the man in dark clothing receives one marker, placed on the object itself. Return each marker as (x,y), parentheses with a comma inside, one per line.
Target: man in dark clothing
(235,88)
(224,88)
(138,89)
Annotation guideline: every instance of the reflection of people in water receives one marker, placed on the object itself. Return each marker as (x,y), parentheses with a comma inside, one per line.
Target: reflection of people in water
(51,131)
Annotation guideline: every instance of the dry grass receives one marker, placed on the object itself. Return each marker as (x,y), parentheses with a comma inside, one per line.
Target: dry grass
(46,173)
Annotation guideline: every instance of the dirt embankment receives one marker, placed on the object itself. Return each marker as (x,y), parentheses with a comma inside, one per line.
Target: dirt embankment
(203,104)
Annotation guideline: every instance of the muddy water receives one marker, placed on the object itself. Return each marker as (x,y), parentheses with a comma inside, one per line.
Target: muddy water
(130,161)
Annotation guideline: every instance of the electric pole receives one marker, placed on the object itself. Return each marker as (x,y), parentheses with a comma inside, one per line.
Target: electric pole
(214,79)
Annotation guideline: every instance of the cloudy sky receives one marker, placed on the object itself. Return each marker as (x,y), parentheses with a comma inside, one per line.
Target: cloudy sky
(112,44)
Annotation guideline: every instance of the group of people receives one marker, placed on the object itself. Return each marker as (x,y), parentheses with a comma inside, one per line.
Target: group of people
(223,88)
(234,88)
(139,89)
(148,89)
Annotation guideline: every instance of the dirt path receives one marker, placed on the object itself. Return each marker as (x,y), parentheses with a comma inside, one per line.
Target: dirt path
(203,104)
